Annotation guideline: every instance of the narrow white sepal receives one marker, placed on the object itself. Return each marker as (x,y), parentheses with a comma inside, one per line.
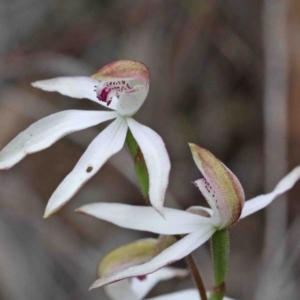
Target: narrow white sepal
(106,144)
(146,218)
(157,161)
(45,132)
(260,202)
(173,253)
(79,87)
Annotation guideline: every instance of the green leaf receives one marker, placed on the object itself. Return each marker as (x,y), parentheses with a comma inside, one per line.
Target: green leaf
(139,164)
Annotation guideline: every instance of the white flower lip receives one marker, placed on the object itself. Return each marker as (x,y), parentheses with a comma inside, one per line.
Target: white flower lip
(198,229)
(47,131)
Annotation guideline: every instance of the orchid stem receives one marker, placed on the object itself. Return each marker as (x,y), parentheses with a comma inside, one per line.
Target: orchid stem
(220,254)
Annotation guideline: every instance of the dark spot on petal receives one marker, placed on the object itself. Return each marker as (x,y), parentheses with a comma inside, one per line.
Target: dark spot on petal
(142,277)
(89,169)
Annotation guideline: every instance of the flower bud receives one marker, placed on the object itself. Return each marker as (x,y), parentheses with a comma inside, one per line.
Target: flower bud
(128,255)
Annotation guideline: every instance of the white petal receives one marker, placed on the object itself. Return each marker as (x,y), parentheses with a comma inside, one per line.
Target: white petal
(260,202)
(190,294)
(143,287)
(175,252)
(157,161)
(145,218)
(106,144)
(210,197)
(45,132)
(121,290)
(76,87)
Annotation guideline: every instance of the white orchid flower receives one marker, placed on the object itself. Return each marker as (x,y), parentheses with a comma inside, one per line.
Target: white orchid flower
(136,288)
(121,86)
(224,194)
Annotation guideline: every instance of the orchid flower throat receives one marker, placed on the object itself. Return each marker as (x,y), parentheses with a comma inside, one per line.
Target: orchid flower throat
(220,187)
(107,90)
(126,82)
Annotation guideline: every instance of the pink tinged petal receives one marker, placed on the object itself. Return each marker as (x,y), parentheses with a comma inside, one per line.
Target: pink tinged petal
(123,69)
(210,196)
(45,132)
(175,252)
(143,287)
(106,144)
(157,161)
(145,218)
(260,202)
(125,80)
(74,87)
(221,183)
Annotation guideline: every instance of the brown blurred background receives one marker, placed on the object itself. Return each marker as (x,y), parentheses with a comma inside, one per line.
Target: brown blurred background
(224,75)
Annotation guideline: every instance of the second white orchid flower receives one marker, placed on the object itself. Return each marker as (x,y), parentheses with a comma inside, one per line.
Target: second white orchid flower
(121,86)
(224,194)
(133,254)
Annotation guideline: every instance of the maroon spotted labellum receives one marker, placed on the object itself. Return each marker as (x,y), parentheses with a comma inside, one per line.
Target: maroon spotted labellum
(122,80)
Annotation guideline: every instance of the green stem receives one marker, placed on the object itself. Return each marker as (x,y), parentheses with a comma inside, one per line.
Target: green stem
(220,254)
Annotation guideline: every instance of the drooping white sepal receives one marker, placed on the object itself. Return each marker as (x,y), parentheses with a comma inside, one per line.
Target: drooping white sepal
(253,205)
(45,132)
(157,161)
(106,144)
